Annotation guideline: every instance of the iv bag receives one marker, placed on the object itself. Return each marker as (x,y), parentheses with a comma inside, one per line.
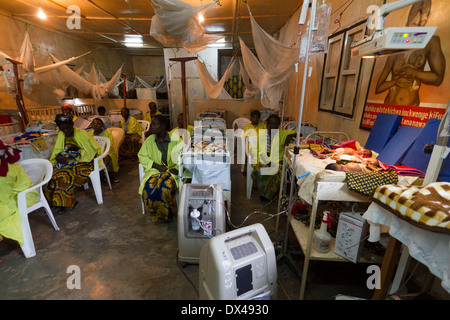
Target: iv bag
(319,35)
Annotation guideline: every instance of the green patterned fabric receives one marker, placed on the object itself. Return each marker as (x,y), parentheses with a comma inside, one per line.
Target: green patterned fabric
(365,182)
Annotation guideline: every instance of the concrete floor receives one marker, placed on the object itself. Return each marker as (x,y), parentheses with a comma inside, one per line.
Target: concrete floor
(123,255)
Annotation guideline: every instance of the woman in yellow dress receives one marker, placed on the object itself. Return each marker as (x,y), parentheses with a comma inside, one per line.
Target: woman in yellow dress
(13,180)
(159,157)
(72,160)
(112,159)
(133,135)
(267,172)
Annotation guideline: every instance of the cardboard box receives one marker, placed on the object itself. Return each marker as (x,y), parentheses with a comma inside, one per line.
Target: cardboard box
(352,228)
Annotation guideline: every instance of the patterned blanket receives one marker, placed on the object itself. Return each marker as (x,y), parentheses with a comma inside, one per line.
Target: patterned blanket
(426,206)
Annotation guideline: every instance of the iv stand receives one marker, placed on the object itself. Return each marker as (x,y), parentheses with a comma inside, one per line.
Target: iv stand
(284,253)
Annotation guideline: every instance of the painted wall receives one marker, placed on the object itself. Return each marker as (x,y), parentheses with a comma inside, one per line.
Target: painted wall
(61,46)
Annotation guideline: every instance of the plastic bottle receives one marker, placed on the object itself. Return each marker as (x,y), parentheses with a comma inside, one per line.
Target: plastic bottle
(194,219)
(322,239)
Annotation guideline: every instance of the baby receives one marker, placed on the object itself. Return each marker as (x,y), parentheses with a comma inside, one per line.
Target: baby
(345,151)
(351,166)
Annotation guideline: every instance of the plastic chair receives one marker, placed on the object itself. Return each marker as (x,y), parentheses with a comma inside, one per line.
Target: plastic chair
(104,143)
(40,172)
(250,142)
(141,177)
(119,135)
(240,123)
(146,126)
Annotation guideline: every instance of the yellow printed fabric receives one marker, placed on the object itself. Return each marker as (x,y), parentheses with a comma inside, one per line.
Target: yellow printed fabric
(15,181)
(89,148)
(150,154)
(133,126)
(235,86)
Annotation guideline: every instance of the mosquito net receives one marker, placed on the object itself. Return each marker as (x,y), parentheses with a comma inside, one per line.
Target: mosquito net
(177,22)
(273,66)
(213,88)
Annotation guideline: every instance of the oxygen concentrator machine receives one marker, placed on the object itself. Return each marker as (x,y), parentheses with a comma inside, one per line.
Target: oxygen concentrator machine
(238,265)
(201,216)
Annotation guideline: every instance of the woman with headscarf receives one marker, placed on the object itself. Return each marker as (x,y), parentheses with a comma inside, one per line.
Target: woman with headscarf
(13,180)
(159,157)
(270,152)
(112,159)
(72,160)
(133,135)
(67,109)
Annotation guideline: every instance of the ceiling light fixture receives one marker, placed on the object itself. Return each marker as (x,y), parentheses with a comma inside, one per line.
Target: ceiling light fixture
(41,14)
(134,41)
(201,18)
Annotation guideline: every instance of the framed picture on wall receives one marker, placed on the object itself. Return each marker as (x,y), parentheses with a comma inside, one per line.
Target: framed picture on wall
(340,76)
(414,84)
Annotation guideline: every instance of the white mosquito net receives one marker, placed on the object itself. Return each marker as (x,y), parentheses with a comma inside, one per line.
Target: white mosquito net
(214,89)
(31,74)
(177,22)
(273,66)
(96,90)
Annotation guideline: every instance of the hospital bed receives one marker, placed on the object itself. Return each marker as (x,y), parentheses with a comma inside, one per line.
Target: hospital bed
(206,159)
(320,185)
(211,114)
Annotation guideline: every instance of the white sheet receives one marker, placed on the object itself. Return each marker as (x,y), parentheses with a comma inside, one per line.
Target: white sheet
(430,248)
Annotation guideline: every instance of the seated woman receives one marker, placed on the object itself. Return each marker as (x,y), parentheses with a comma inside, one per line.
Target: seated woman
(152,112)
(112,159)
(185,132)
(252,128)
(68,109)
(269,155)
(72,160)
(13,180)
(158,156)
(133,130)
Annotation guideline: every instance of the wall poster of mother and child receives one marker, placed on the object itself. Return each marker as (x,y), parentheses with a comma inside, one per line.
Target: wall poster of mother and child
(414,84)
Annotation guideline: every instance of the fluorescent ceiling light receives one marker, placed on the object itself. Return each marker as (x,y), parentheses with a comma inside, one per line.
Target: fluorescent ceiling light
(134,41)
(134,45)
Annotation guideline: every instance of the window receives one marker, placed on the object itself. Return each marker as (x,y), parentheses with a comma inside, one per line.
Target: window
(341,73)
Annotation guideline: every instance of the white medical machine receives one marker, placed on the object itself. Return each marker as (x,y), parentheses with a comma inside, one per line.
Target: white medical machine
(201,216)
(238,265)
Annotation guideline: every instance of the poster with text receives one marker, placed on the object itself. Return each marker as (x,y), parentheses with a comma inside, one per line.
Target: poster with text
(414,84)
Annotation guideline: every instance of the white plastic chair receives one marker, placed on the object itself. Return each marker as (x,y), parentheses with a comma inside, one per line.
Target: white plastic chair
(99,165)
(119,135)
(141,177)
(250,142)
(240,123)
(40,172)
(146,126)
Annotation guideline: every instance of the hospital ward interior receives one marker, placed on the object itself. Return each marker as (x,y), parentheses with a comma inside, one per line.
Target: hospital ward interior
(224,150)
